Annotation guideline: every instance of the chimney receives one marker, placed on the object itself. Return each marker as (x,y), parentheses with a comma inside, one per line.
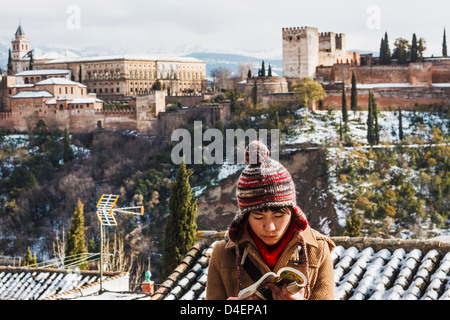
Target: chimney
(148,286)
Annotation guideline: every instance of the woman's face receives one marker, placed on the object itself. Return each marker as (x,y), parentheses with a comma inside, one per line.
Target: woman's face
(269,225)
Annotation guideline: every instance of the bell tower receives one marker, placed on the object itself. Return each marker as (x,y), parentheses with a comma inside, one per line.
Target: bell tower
(20,48)
(20,44)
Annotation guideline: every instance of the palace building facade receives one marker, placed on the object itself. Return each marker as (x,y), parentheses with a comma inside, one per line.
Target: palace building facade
(120,76)
(114,77)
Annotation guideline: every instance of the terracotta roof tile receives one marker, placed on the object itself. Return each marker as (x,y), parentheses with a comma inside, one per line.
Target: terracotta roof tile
(365,269)
(38,284)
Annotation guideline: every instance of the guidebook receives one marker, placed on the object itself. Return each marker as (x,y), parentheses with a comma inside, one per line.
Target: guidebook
(288,275)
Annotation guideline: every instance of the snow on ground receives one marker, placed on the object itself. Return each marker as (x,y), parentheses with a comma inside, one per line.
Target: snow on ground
(13,146)
(322,128)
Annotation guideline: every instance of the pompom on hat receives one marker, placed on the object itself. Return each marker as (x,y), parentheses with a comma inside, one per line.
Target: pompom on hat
(264,183)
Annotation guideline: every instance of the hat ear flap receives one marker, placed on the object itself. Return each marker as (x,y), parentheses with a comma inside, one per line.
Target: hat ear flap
(299,218)
(236,228)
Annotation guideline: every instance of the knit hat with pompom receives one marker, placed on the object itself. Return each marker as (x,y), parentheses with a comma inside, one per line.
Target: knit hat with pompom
(264,183)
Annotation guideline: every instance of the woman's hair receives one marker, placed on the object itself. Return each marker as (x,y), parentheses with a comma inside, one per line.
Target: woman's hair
(285,210)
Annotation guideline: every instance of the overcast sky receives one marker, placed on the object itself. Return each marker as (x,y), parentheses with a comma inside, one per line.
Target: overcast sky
(229,26)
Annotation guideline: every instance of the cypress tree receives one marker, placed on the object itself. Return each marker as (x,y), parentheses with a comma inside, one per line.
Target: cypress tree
(269,74)
(414,49)
(354,94)
(370,120)
(28,258)
(67,150)
(344,104)
(255,93)
(444,45)
(382,52)
(353,225)
(181,227)
(75,244)
(376,128)
(249,73)
(387,51)
(10,65)
(263,70)
(30,67)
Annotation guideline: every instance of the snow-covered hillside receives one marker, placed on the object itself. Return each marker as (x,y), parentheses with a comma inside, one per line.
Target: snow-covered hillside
(322,129)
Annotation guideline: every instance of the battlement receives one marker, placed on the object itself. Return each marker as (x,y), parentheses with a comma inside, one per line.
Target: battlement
(326,34)
(115,111)
(292,32)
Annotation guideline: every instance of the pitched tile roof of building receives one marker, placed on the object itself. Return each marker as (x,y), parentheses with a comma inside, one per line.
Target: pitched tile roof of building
(365,269)
(75,100)
(60,81)
(38,284)
(43,72)
(32,94)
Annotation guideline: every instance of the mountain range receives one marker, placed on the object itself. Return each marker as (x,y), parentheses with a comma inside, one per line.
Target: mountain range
(213,60)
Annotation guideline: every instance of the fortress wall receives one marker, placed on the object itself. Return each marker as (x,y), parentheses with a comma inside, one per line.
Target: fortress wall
(378,74)
(441,73)
(386,98)
(424,73)
(389,98)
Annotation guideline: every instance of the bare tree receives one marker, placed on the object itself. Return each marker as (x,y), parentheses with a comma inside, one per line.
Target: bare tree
(118,260)
(243,69)
(221,77)
(59,245)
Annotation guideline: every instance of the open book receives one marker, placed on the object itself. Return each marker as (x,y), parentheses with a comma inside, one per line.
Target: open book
(287,275)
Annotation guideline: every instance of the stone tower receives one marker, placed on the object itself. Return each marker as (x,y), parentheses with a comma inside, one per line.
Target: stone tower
(305,49)
(20,48)
(300,52)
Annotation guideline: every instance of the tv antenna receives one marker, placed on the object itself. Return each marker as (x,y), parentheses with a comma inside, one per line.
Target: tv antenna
(106,215)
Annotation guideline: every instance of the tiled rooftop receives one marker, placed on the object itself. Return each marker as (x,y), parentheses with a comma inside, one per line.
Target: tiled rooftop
(38,284)
(365,269)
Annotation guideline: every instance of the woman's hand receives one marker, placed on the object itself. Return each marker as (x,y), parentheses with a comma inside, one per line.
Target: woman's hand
(281,293)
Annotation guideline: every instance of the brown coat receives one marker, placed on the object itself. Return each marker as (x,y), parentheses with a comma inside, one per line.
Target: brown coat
(223,272)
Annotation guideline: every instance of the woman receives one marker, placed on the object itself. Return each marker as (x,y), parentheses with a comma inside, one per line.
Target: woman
(269,232)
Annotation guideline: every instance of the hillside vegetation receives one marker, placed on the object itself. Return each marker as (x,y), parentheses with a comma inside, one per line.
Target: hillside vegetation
(397,188)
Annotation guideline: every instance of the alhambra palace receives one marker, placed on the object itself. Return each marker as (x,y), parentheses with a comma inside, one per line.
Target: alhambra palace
(72,92)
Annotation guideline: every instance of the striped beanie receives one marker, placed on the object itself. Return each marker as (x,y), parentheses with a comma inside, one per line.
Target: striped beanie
(264,183)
